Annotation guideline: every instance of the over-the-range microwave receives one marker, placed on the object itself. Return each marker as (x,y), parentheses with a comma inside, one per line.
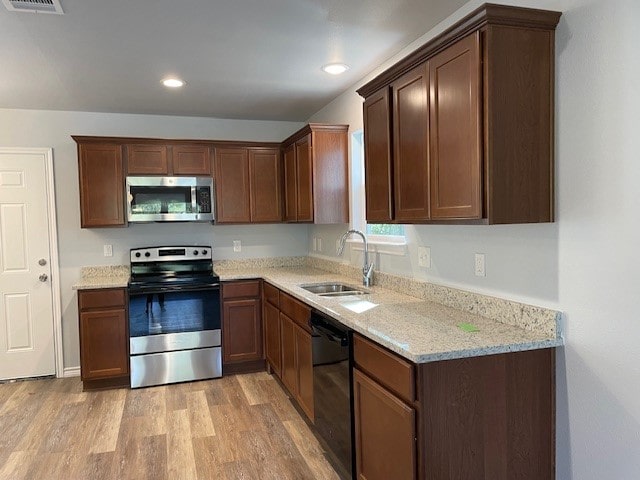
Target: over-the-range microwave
(170,199)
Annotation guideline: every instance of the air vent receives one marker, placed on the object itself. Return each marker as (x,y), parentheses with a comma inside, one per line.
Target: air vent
(34,6)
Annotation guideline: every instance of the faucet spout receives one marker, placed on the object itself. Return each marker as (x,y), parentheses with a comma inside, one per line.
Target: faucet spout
(367,269)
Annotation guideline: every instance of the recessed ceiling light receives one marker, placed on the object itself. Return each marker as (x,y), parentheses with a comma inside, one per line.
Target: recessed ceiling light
(335,68)
(173,82)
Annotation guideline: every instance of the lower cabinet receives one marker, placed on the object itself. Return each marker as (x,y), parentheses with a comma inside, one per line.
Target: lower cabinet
(242,327)
(288,345)
(104,354)
(385,432)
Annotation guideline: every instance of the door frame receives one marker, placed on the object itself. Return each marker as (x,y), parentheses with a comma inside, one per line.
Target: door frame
(47,153)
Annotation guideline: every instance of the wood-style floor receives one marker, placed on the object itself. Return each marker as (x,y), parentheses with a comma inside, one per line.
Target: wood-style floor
(236,427)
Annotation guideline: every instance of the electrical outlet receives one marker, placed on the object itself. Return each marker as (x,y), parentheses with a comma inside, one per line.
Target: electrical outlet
(337,244)
(479,265)
(237,246)
(424,257)
(319,244)
(315,244)
(107,250)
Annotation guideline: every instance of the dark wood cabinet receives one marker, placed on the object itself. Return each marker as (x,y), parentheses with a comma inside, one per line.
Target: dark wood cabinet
(231,166)
(248,185)
(454,131)
(147,159)
(304,180)
(385,432)
(377,157)
(288,345)
(271,322)
(101,179)
(471,125)
(191,160)
(104,338)
(316,175)
(159,158)
(265,185)
(411,146)
(290,184)
(421,421)
(241,326)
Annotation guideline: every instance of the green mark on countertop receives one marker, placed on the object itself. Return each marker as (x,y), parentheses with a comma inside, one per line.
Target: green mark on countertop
(468,327)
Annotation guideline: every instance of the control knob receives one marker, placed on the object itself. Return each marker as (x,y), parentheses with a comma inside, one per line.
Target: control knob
(195,252)
(147,254)
(137,254)
(204,252)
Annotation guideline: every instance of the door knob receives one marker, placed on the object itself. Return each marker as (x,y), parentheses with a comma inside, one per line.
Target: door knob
(42,262)
(43,277)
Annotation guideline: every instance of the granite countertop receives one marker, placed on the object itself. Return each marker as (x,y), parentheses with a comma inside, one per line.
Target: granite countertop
(416,327)
(116,276)
(419,330)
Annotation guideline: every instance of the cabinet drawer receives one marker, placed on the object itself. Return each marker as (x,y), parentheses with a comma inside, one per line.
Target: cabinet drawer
(102,298)
(241,289)
(271,294)
(295,310)
(393,372)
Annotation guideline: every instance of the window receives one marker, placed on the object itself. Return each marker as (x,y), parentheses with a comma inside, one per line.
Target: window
(376,233)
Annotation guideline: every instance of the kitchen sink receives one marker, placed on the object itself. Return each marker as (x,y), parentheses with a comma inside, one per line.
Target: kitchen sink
(333,289)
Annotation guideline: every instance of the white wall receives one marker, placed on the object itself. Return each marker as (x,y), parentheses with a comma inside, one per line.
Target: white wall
(585,264)
(80,247)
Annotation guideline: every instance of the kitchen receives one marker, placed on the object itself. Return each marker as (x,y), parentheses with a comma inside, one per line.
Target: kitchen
(596,373)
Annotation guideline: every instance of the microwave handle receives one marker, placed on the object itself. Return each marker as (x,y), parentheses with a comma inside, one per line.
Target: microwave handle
(194,200)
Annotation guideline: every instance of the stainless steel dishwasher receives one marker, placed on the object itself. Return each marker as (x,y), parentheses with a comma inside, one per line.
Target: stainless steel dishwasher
(333,391)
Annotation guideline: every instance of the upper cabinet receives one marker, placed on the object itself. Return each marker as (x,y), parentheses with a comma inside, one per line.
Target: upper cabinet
(101,185)
(248,185)
(165,159)
(252,183)
(316,175)
(461,131)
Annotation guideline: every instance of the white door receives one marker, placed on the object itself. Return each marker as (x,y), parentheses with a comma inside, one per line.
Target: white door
(26,304)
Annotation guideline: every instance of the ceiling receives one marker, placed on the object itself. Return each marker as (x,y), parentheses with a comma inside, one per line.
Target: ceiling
(249,59)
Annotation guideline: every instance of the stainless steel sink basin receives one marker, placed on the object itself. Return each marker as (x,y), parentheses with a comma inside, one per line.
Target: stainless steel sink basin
(332,289)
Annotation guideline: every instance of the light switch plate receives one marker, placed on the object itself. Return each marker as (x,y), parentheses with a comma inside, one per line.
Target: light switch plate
(319,244)
(237,246)
(424,257)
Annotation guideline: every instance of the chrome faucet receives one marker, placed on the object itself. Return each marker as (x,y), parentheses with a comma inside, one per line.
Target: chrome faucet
(367,269)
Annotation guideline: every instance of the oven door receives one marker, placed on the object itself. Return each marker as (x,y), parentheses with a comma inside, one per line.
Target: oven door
(170,318)
(174,334)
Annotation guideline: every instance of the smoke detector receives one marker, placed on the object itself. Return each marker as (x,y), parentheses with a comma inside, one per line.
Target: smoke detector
(34,6)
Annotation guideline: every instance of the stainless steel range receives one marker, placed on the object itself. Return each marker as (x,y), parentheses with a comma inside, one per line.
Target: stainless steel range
(174,316)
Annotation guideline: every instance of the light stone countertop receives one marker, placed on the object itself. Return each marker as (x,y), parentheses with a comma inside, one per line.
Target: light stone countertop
(105,276)
(419,330)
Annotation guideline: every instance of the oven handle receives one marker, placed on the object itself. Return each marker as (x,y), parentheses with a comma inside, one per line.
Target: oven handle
(173,288)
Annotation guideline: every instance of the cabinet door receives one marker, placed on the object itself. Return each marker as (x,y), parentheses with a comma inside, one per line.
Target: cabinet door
(147,160)
(304,180)
(101,185)
(103,344)
(411,145)
(456,151)
(288,344)
(272,337)
(385,432)
(191,160)
(265,173)
(304,370)
(377,157)
(232,185)
(290,193)
(241,331)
